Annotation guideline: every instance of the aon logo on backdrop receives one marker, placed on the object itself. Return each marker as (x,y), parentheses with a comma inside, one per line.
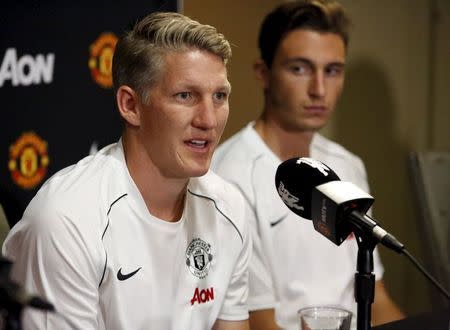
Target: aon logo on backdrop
(27,69)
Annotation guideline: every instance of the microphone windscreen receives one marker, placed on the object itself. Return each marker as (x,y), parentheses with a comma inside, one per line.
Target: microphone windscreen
(295,180)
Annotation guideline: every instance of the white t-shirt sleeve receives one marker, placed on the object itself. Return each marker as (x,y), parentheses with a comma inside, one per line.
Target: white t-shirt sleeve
(235,305)
(52,260)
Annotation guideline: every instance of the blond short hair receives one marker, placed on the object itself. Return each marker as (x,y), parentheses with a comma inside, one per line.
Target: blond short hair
(139,55)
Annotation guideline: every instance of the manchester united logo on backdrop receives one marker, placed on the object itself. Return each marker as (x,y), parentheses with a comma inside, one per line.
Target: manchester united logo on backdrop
(28,160)
(100,60)
(198,257)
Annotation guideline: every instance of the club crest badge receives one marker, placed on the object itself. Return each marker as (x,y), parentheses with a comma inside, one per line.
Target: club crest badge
(198,257)
(28,160)
(100,60)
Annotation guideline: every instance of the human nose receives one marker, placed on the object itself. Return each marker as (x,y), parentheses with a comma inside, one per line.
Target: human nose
(317,85)
(205,117)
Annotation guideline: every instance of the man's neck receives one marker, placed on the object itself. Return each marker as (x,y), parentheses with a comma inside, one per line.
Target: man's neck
(284,144)
(163,196)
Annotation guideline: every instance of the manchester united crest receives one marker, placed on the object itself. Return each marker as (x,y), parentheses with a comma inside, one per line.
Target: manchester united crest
(28,160)
(198,257)
(100,60)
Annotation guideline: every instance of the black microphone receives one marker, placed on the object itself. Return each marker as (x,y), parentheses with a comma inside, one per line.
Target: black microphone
(313,191)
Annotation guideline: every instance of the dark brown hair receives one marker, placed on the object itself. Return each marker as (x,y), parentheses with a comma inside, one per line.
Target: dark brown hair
(316,15)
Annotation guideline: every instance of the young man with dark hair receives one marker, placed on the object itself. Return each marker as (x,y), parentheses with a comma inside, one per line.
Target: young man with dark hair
(303,47)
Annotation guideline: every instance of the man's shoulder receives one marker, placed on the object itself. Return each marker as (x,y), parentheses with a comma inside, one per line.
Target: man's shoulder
(85,174)
(243,145)
(68,214)
(324,145)
(225,196)
(214,187)
(237,158)
(78,191)
(345,163)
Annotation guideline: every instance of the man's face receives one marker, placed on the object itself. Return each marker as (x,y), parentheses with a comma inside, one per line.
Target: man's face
(186,112)
(306,79)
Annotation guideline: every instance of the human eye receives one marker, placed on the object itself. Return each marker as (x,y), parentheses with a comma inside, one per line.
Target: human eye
(300,69)
(220,96)
(183,96)
(334,70)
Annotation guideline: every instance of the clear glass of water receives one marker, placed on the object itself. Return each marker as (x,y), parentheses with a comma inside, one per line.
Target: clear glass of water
(324,318)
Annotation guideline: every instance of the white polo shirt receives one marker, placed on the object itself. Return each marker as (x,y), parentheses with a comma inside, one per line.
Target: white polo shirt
(292,265)
(89,245)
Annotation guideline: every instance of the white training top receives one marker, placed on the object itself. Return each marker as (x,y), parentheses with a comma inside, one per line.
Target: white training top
(292,265)
(89,245)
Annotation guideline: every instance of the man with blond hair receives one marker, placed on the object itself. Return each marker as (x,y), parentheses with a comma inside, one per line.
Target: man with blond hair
(303,47)
(142,235)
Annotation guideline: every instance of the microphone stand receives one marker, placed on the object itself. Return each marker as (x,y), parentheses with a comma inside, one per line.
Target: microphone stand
(13,299)
(13,319)
(364,281)
(12,310)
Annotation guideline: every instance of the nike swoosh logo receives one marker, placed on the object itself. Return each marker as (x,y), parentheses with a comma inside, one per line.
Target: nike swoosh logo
(123,277)
(276,222)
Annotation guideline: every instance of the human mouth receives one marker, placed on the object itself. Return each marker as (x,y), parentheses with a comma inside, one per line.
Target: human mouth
(316,109)
(197,144)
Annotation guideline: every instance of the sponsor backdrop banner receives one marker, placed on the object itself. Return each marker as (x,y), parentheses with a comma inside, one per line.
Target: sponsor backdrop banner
(57,102)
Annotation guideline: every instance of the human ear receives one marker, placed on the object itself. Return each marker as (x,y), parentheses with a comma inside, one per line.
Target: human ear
(261,72)
(128,104)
